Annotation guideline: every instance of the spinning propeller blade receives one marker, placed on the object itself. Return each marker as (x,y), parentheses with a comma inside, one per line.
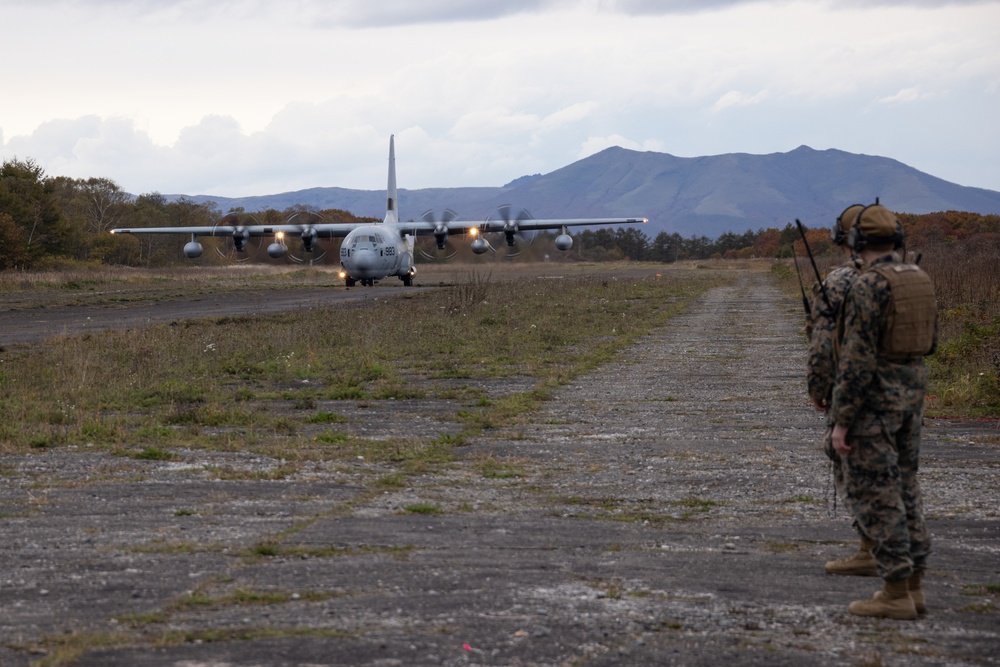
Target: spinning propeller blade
(516,238)
(440,220)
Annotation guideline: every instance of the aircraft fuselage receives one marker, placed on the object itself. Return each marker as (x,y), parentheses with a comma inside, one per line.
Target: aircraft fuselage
(375,251)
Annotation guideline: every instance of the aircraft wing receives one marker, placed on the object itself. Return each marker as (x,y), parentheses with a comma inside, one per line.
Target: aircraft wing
(327,230)
(531,225)
(423,227)
(322,230)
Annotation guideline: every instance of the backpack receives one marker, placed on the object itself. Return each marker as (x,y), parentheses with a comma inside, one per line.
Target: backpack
(911,324)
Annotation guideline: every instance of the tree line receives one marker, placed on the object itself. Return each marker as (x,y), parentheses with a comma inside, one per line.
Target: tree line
(47,222)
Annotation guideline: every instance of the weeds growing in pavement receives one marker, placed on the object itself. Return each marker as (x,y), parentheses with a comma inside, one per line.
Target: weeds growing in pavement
(265,382)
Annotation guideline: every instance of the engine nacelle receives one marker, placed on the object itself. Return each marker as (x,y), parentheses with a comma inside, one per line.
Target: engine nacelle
(240,238)
(309,240)
(192,250)
(479,246)
(276,250)
(564,242)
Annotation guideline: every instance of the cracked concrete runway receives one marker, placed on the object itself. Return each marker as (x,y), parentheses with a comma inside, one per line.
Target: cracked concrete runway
(671,508)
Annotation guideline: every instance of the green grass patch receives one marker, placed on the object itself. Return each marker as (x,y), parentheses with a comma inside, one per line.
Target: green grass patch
(493,468)
(697,504)
(154,454)
(174,384)
(252,475)
(981,589)
(392,481)
(422,508)
(274,548)
(326,418)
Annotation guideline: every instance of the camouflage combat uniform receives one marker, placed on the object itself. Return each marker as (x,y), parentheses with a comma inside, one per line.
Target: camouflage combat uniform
(822,369)
(823,327)
(880,401)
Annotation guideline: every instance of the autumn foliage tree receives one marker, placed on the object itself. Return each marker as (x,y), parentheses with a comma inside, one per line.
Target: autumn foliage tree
(46,220)
(13,252)
(34,228)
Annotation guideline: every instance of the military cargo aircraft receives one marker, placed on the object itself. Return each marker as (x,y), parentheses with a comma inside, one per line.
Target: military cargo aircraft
(372,251)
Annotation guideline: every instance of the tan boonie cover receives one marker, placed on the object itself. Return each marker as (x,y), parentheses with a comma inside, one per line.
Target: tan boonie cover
(912,321)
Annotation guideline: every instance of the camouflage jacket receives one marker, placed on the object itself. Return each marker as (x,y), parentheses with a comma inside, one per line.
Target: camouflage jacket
(822,369)
(867,382)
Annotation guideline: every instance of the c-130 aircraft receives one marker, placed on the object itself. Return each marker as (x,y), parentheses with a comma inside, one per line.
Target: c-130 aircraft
(372,251)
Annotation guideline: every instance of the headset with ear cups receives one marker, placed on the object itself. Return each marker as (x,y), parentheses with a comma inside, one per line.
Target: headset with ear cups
(837,233)
(857,239)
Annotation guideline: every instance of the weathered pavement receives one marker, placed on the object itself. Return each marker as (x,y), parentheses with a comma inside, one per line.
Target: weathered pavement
(668,509)
(32,323)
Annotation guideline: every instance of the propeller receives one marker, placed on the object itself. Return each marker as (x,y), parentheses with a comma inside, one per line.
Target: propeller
(516,238)
(244,248)
(440,220)
(306,221)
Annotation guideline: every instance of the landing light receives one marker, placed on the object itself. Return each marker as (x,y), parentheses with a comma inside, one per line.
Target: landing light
(342,274)
(279,235)
(474,231)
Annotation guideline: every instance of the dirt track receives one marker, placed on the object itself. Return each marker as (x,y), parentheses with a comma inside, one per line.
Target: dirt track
(668,509)
(33,322)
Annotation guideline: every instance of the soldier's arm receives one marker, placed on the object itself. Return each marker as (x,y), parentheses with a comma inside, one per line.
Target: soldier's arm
(858,353)
(821,368)
(822,365)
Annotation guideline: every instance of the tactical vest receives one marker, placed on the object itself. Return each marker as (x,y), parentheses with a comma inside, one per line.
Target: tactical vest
(911,324)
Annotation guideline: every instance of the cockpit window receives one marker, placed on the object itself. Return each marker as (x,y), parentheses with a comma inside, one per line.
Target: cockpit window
(366,238)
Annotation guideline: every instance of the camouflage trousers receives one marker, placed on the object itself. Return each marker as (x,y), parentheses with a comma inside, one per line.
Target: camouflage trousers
(882,492)
(838,472)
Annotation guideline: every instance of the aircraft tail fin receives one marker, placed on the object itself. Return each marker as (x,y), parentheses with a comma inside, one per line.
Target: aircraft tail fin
(391,213)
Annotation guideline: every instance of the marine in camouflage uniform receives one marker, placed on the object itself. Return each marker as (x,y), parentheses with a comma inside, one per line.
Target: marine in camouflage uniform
(827,299)
(822,370)
(877,408)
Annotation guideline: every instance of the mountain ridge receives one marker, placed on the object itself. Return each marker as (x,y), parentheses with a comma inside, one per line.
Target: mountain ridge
(707,195)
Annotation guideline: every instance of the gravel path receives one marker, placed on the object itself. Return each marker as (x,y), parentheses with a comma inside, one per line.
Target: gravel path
(671,508)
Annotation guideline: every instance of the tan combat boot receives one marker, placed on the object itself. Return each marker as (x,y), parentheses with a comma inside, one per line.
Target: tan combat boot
(913,585)
(893,601)
(860,564)
(917,593)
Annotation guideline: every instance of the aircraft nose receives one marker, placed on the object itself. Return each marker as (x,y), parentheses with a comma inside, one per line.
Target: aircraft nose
(364,260)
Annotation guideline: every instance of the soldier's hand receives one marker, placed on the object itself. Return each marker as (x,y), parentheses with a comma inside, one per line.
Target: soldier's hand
(839,438)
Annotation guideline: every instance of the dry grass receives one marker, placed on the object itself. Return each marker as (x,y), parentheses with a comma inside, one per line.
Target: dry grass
(965,370)
(211,382)
(966,367)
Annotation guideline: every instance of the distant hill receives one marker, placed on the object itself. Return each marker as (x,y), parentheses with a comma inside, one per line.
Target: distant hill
(691,196)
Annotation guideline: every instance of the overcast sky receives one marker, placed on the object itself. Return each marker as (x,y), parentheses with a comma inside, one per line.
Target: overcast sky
(244,97)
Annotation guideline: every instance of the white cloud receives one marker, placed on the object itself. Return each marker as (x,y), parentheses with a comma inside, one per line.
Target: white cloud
(902,97)
(735,98)
(247,97)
